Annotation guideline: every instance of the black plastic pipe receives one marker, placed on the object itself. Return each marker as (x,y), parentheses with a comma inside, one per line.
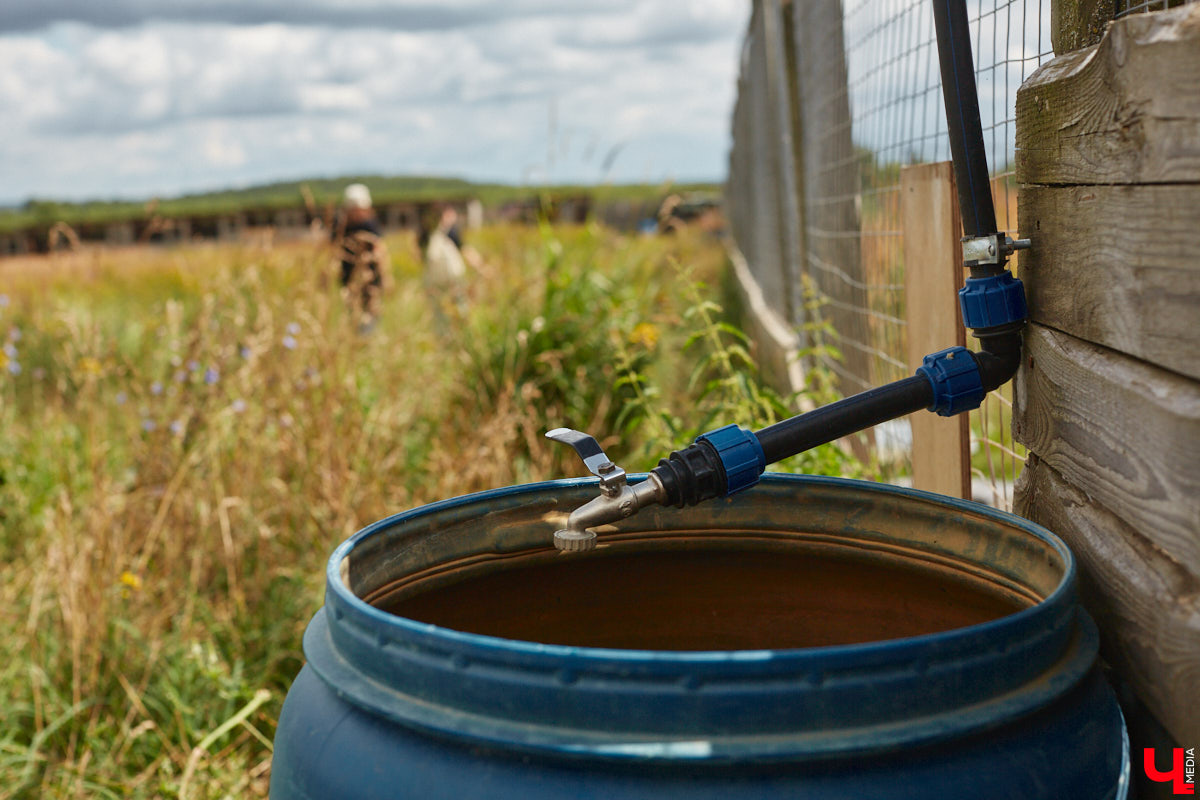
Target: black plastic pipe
(1000,352)
(855,413)
(962,117)
(697,473)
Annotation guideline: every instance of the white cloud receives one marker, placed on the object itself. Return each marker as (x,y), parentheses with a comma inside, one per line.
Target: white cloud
(274,99)
(220,150)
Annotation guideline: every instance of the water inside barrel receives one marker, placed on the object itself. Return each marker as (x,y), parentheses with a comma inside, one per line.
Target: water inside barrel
(707,599)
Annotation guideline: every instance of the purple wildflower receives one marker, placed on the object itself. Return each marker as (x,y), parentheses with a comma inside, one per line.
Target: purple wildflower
(293,328)
(156,388)
(148,425)
(238,406)
(193,366)
(289,342)
(121,398)
(14,367)
(245,352)
(211,376)
(10,350)
(176,427)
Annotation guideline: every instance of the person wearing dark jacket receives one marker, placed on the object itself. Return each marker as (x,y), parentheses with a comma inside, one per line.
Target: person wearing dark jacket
(358,237)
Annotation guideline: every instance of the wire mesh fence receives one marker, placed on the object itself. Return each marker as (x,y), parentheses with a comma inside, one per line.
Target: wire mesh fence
(1125,7)
(836,98)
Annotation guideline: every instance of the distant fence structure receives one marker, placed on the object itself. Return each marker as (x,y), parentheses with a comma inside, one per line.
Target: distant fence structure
(285,222)
(834,100)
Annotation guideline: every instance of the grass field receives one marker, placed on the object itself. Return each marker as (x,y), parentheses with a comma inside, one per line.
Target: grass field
(188,433)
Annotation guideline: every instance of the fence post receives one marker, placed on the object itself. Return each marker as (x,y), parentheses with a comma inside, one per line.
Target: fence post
(782,154)
(1078,23)
(831,192)
(762,209)
(933,274)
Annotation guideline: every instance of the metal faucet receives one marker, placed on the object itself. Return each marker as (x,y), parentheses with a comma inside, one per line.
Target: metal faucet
(617,499)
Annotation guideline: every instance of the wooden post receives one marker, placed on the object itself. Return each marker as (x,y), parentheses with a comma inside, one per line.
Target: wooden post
(752,193)
(782,111)
(933,274)
(831,189)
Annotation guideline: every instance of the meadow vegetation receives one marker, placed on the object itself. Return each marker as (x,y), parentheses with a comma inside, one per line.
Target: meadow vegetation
(187,434)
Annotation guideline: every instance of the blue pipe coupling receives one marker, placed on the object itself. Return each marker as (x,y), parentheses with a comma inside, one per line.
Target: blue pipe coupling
(741,455)
(992,301)
(957,384)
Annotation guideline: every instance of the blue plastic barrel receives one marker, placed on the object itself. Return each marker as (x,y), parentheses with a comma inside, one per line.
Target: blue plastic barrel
(1010,707)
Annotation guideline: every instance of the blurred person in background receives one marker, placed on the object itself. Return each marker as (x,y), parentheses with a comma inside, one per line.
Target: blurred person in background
(358,240)
(445,267)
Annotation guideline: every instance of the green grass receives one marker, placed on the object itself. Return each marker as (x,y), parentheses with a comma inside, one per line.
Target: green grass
(192,431)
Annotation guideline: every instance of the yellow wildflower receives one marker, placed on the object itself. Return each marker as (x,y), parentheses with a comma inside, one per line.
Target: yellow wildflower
(131,581)
(645,334)
(89,366)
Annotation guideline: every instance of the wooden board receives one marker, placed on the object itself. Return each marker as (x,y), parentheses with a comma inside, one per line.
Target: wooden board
(932,276)
(1146,605)
(785,172)
(1118,266)
(1124,111)
(831,188)
(1123,432)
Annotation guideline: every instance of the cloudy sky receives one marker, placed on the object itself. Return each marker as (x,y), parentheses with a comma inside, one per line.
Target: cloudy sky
(132,98)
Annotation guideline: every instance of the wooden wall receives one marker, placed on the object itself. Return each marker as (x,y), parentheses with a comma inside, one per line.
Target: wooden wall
(1108,396)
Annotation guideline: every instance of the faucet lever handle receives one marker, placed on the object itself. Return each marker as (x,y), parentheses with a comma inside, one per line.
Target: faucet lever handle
(585,445)
(593,456)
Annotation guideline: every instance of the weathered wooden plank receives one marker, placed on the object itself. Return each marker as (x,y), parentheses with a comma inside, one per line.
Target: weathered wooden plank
(763,212)
(1125,433)
(1117,265)
(785,178)
(1078,23)
(832,183)
(1146,605)
(1124,111)
(933,274)
(753,195)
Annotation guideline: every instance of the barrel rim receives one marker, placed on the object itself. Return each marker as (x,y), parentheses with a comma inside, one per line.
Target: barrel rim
(541,698)
(335,584)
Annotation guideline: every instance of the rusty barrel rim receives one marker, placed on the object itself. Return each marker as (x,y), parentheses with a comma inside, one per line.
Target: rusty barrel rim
(703,706)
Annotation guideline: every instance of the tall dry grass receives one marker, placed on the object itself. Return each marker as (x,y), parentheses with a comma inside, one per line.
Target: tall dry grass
(188,433)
